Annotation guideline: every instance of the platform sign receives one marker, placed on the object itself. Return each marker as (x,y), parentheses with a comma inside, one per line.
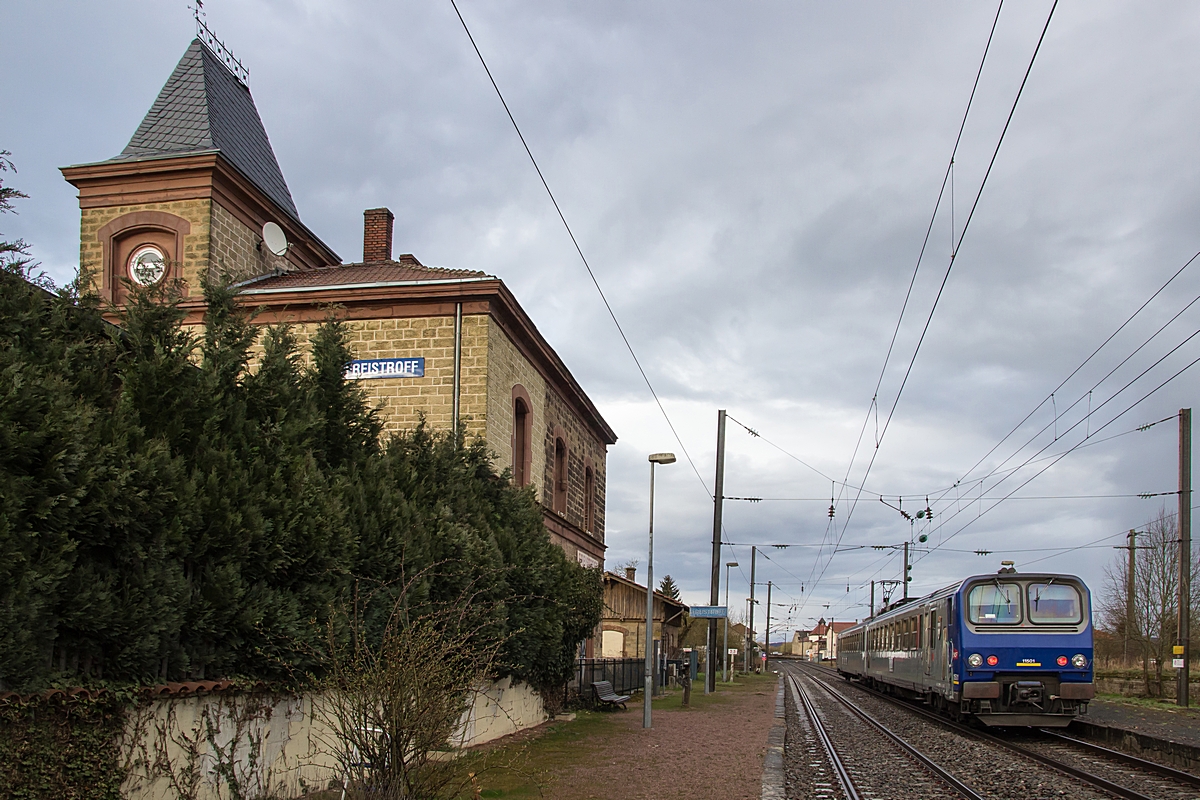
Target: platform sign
(386,368)
(709,612)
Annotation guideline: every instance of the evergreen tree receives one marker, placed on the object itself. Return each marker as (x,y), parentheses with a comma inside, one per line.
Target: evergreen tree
(168,512)
(667,586)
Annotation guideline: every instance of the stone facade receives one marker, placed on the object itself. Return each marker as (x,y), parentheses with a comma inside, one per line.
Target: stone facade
(236,251)
(96,262)
(584,452)
(506,368)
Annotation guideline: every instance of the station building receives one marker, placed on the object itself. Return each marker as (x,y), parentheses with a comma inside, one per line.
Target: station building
(198,188)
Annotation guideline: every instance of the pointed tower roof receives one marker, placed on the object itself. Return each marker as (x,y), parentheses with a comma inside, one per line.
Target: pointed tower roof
(204,108)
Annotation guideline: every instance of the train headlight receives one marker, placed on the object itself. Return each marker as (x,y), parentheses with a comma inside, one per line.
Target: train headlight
(975,660)
(1079,661)
(992,661)
(1062,661)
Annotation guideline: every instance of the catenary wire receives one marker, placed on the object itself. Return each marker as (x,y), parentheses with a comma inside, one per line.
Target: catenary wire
(1067,452)
(945,278)
(916,269)
(1095,386)
(579,250)
(1055,459)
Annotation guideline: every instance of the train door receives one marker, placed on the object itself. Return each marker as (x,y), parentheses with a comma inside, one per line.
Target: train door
(930,637)
(944,644)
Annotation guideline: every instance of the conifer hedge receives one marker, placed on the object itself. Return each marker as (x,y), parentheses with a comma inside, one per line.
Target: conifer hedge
(172,508)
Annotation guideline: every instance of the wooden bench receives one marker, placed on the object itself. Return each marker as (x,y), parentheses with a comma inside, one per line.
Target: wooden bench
(605,694)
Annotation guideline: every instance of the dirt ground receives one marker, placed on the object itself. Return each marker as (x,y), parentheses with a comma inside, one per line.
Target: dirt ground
(713,749)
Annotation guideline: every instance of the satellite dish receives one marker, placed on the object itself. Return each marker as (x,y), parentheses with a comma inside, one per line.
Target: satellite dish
(274,239)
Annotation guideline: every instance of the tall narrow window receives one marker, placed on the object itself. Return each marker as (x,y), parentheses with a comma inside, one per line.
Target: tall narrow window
(589,501)
(520,448)
(560,476)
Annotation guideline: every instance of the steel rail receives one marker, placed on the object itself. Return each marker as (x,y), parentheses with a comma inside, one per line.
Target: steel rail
(924,760)
(1131,760)
(848,788)
(1087,777)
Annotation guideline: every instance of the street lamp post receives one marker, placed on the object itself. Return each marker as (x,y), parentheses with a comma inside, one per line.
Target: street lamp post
(656,458)
(725,649)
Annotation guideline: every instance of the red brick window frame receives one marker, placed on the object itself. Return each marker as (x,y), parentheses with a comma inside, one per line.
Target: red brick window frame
(522,436)
(121,236)
(559,476)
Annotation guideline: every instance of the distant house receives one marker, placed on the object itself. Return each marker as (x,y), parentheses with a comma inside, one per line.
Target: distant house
(623,621)
(820,642)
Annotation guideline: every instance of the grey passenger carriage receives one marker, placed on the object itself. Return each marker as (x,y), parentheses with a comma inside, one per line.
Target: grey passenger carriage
(1009,649)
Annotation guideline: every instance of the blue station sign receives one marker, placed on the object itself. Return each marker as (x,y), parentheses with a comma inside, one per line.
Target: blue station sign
(386,368)
(709,612)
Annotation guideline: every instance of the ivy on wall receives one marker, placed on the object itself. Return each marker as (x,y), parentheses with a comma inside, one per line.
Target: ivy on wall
(63,748)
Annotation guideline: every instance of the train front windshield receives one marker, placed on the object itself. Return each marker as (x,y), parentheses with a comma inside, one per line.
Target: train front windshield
(995,603)
(1054,603)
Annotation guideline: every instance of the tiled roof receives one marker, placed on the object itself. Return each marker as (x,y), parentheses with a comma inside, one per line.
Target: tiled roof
(404,269)
(203,108)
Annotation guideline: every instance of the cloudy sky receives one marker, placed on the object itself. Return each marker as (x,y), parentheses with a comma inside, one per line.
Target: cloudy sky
(752,183)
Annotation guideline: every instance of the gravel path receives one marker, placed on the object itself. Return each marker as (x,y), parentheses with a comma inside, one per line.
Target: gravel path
(712,752)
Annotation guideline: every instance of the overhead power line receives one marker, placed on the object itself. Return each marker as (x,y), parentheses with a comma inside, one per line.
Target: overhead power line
(578,249)
(945,277)
(1066,453)
(1084,363)
(1087,394)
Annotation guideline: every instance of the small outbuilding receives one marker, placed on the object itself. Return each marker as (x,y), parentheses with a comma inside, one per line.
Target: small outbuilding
(623,621)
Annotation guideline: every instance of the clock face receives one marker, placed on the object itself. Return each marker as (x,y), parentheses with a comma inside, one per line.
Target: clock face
(147,265)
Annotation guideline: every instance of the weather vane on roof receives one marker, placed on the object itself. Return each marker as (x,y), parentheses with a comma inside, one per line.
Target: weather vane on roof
(206,35)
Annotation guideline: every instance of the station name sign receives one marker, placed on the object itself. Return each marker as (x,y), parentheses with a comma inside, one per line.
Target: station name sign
(709,612)
(386,368)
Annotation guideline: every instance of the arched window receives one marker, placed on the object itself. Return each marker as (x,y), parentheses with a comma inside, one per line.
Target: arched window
(520,441)
(522,436)
(589,500)
(560,476)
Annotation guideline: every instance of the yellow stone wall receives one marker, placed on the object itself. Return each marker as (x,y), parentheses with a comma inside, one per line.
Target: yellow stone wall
(401,401)
(196,245)
(506,367)
(235,251)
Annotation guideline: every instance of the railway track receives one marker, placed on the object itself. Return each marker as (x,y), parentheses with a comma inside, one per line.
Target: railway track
(845,748)
(1113,773)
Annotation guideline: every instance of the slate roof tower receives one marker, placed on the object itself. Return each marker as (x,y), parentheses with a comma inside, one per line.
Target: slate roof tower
(205,108)
(193,188)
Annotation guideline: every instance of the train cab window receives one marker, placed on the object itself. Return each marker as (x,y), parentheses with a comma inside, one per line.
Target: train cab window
(994,603)
(1054,602)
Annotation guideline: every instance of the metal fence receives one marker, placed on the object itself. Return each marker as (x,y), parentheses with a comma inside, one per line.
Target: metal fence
(627,675)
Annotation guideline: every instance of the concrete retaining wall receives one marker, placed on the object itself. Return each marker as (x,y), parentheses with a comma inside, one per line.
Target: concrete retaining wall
(196,747)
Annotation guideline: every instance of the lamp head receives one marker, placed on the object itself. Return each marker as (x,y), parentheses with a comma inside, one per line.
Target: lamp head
(662,458)
(731,563)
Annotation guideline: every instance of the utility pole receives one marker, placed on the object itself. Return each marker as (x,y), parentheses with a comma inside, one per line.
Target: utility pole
(725,660)
(1130,582)
(1185,551)
(767,636)
(872,612)
(750,632)
(906,570)
(710,671)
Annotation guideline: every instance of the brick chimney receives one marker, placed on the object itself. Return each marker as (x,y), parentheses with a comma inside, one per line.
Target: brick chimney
(377,235)
(630,572)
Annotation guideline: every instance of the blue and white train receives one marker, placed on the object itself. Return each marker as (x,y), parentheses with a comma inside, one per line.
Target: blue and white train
(1009,649)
